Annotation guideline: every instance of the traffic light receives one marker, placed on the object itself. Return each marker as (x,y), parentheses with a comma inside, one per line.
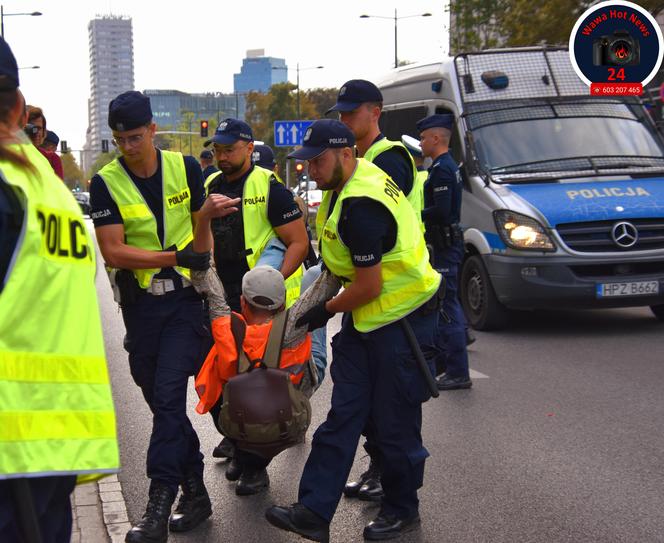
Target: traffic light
(299,167)
(63,146)
(204,129)
(104,146)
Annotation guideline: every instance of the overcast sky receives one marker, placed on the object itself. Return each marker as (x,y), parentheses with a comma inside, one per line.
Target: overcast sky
(197,46)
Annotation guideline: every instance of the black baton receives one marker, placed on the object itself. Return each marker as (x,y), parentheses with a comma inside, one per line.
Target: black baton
(419,357)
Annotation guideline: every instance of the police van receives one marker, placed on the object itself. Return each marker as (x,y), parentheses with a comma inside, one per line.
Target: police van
(563,203)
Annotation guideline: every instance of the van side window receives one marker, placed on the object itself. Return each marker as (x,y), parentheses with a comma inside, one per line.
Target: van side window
(397,122)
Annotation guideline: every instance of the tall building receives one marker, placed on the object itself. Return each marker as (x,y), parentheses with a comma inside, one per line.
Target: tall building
(259,73)
(110,39)
(170,108)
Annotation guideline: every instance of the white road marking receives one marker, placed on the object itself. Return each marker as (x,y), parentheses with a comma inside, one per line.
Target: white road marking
(477,375)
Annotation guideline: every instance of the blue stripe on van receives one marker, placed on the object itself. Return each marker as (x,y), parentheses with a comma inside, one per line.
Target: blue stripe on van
(595,201)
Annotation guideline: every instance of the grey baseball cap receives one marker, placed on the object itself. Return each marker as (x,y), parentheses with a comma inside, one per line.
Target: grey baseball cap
(264,287)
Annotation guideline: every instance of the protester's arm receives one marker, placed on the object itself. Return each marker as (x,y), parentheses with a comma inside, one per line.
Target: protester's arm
(208,284)
(294,236)
(323,288)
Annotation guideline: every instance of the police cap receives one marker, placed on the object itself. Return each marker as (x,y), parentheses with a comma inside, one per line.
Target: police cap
(263,156)
(129,110)
(322,135)
(231,130)
(52,137)
(412,145)
(354,93)
(440,120)
(8,67)
(206,154)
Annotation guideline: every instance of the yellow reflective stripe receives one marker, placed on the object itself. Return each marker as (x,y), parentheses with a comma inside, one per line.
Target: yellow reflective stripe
(22,396)
(32,425)
(59,457)
(134,211)
(54,368)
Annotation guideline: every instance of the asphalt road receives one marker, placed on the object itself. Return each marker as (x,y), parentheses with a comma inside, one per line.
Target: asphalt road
(560,439)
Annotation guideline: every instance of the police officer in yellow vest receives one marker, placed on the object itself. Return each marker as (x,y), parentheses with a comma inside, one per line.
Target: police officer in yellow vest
(57,424)
(267,211)
(359,105)
(144,205)
(371,240)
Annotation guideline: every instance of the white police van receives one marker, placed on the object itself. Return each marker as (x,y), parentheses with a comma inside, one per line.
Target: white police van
(564,193)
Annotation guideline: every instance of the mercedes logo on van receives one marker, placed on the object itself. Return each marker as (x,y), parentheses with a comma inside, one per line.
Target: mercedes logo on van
(624,234)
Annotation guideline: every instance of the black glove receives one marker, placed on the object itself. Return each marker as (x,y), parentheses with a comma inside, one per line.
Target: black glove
(187,258)
(316,317)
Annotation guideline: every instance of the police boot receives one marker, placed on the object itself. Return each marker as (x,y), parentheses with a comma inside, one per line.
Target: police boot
(153,527)
(368,485)
(193,507)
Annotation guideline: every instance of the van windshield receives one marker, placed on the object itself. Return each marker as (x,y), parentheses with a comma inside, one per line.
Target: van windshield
(556,142)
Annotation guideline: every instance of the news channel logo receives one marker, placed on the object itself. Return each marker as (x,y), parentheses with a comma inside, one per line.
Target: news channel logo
(616,42)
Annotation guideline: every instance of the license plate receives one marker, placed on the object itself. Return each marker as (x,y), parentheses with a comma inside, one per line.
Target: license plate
(632,288)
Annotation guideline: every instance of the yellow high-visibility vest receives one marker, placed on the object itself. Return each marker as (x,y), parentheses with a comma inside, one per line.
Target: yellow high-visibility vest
(257,228)
(408,278)
(416,194)
(56,409)
(140,224)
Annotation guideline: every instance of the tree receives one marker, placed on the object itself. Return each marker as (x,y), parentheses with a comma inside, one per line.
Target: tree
(476,24)
(73,176)
(322,98)
(101,161)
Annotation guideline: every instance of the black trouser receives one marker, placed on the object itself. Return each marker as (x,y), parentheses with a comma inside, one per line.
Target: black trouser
(50,501)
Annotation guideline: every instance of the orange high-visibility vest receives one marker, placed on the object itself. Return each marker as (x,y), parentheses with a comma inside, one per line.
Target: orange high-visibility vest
(222,361)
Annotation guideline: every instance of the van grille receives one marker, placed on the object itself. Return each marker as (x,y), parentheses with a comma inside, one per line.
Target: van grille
(595,237)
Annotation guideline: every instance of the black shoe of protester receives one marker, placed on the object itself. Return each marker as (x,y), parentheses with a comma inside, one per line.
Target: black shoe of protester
(234,470)
(193,506)
(252,481)
(225,449)
(389,527)
(301,520)
(153,527)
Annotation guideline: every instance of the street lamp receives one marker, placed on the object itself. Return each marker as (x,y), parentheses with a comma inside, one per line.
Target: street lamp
(297,80)
(29,67)
(396,60)
(3,15)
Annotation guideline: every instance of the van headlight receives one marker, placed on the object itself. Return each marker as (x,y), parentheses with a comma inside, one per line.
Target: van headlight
(522,232)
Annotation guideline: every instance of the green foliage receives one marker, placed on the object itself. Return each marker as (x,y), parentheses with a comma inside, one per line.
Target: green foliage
(73,176)
(477,24)
(481,24)
(101,161)
(280,104)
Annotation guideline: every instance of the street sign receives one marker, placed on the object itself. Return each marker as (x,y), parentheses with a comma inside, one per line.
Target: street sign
(289,133)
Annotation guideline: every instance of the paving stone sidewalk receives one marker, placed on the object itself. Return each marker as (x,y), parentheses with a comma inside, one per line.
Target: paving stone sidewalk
(100,513)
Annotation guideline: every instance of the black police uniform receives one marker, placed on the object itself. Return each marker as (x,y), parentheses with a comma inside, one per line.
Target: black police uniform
(167,339)
(442,209)
(167,336)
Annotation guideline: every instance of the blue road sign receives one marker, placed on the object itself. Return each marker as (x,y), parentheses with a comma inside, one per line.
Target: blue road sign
(289,133)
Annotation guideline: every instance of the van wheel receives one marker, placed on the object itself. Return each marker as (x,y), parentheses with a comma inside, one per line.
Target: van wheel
(658,311)
(482,308)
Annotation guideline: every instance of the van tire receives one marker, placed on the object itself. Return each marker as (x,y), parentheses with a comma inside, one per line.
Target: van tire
(658,311)
(480,304)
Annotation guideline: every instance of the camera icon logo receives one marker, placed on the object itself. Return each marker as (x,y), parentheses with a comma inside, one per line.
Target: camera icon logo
(617,49)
